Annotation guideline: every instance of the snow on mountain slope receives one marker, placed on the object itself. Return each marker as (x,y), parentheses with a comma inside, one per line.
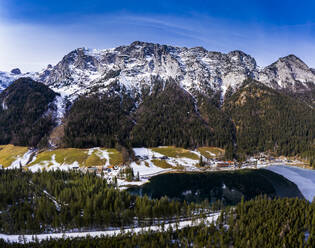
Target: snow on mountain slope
(195,69)
(138,65)
(288,73)
(6,78)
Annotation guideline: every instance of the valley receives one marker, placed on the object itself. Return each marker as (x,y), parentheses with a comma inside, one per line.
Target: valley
(147,163)
(107,143)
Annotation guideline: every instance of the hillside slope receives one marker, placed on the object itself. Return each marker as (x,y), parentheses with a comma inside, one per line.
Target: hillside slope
(266,119)
(26,112)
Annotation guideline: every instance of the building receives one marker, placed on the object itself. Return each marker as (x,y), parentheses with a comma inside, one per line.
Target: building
(223,164)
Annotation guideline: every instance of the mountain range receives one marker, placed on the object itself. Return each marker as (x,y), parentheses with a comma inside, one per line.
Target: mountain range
(146,94)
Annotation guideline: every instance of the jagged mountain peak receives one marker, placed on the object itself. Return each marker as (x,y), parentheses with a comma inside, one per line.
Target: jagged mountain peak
(6,78)
(238,53)
(289,73)
(293,60)
(139,64)
(16,71)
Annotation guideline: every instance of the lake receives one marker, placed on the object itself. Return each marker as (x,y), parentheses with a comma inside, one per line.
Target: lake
(227,186)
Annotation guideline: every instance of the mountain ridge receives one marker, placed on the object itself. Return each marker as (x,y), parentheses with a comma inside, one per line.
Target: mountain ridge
(137,65)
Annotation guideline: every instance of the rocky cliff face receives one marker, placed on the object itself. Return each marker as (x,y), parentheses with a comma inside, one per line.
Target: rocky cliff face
(137,66)
(289,73)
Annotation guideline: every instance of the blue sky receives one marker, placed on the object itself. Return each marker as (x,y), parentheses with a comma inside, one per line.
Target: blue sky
(34,33)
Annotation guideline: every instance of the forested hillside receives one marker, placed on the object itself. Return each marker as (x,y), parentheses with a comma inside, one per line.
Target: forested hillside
(24,116)
(59,201)
(99,120)
(168,116)
(266,119)
(255,118)
(261,222)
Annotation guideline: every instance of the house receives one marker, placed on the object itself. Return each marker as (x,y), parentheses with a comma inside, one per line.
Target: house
(223,164)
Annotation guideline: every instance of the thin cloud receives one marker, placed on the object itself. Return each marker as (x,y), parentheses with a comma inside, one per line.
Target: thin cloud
(33,46)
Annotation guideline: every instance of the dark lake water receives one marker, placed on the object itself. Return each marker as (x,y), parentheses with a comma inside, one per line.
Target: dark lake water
(227,186)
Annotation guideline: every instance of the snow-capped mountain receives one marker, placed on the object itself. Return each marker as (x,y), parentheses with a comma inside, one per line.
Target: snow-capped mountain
(6,78)
(288,73)
(139,64)
(156,95)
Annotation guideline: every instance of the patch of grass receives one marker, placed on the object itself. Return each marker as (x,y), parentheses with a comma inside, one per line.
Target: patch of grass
(206,151)
(115,157)
(9,153)
(161,163)
(67,155)
(70,155)
(43,157)
(94,160)
(175,152)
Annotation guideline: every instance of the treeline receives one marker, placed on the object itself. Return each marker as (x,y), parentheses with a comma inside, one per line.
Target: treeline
(60,201)
(261,222)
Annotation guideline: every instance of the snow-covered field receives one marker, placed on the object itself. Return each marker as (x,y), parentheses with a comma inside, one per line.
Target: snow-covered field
(303,178)
(29,238)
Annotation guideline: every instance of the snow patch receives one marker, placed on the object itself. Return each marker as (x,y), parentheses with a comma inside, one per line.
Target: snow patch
(21,160)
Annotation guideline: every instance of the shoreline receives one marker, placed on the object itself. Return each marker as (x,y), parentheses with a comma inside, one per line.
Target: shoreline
(146,178)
